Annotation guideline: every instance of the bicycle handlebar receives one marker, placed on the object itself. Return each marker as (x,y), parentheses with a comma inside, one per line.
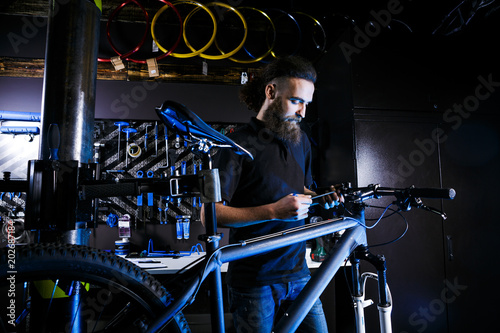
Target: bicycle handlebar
(405,198)
(375,191)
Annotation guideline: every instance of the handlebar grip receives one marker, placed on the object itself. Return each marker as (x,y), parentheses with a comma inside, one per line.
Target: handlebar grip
(433,193)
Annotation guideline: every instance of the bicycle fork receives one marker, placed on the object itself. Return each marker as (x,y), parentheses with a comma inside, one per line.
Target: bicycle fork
(384,305)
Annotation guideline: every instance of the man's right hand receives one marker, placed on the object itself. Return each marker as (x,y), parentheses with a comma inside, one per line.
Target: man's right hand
(292,207)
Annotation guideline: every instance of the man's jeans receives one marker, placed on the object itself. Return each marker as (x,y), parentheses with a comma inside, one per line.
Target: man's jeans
(255,309)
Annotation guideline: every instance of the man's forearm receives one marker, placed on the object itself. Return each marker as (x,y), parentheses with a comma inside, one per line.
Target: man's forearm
(234,217)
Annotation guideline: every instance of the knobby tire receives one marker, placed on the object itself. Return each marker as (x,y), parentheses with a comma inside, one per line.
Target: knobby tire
(111,295)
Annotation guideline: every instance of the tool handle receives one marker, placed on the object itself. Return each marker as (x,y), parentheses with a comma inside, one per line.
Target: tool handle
(53,141)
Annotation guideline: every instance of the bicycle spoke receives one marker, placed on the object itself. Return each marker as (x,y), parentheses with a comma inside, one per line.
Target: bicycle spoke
(118,317)
(97,321)
(50,305)
(25,306)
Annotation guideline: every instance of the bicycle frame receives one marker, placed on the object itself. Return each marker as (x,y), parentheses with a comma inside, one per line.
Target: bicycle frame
(354,236)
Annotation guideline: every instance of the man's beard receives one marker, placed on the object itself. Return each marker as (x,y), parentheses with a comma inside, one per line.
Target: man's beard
(285,128)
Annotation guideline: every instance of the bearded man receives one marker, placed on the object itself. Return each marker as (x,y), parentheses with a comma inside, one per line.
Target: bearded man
(270,194)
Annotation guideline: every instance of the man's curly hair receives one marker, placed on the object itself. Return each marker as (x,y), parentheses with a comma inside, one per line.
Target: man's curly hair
(253,92)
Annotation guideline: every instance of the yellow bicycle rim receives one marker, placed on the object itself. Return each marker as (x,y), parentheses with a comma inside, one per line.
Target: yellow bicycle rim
(223,55)
(256,59)
(195,52)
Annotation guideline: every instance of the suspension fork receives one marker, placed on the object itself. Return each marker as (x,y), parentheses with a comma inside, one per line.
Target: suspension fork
(384,303)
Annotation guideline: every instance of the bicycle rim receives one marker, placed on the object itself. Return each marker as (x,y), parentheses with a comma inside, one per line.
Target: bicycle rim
(72,288)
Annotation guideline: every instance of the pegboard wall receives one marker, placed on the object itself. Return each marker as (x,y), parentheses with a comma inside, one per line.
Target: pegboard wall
(150,151)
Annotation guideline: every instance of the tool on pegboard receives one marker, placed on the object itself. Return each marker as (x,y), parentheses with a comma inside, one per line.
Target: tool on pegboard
(98,152)
(183,168)
(183,172)
(140,202)
(194,200)
(98,146)
(160,211)
(156,139)
(200,167)
(128,131)
(177,142)
(164,200)
(196,168)
(150,197)
(166,145)
(120,125)
(165,216)
(146,136)
(163,212)
(169,199)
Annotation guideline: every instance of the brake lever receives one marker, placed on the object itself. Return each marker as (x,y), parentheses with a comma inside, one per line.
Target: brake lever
(435,211)
(417,203)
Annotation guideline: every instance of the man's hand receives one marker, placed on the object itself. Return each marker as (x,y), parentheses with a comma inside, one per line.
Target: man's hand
(292,207)
(331,200)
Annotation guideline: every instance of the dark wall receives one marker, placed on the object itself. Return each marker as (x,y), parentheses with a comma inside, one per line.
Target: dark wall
(135,100)
(472,154)
(422,112)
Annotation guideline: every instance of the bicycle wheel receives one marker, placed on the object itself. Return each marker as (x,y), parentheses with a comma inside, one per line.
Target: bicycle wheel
(72,288)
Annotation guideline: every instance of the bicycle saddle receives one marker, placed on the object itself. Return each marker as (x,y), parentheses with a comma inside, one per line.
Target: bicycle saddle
(185,122)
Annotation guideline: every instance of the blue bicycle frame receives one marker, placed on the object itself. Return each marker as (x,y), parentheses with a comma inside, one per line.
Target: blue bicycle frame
(354,235)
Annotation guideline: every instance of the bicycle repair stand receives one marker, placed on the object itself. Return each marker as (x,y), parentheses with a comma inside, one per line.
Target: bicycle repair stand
(384,305)
(206,185)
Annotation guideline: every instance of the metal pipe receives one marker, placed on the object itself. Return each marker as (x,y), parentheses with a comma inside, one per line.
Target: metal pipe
(68,103)
(70,76)
(291,236)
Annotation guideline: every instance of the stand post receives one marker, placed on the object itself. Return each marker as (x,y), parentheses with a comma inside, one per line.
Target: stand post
(212,244)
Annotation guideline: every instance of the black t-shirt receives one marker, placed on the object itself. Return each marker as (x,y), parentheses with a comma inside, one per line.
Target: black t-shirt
(277,170)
